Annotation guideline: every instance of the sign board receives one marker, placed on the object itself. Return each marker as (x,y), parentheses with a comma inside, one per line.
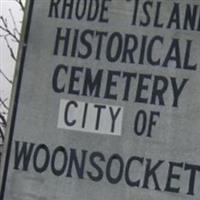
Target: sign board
(107,102)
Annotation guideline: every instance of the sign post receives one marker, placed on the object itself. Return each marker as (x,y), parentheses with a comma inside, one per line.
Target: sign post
(107,102)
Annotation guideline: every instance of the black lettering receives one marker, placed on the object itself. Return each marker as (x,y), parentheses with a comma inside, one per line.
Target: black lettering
(23,154)
(92,15)
(74,78)
(104,10)
(59,150)
(151,172)
(80,166)
(99,108)
(80,10)
(128,51)
(150,50)
(93,86)
(142,87)
(87,44)
(190,17)
(135,12)
(111,179)
(115,42)
(72,122)
(74,43)
(186,64)
(177,90)
(171,176)
(93,162)
(127,171)
(174,48)
(140,122)
(159,91)
(146,7)
(53,7)
(110,84)
(55,79)
(193,171)
(142,50)
(175,17)
(84,115)
(60,38)
(114,117)
(43,161)
(152,122)
(99,36)
(69,5)
(156,22)
(128,77)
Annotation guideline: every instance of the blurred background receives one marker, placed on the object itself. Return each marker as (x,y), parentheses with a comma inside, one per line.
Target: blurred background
(11,14)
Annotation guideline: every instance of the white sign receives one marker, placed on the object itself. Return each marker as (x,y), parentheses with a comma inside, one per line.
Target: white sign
(107,102)
(90,117)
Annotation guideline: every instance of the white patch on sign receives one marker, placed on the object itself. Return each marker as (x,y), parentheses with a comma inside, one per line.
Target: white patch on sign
(90,117)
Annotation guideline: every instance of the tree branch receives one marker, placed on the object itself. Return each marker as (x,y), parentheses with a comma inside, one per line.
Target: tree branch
(10,49)
(9,81)
(3,103)
(2,135)
(21,4)
(7,30)
(10,33)
(15,30)
(3,125)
